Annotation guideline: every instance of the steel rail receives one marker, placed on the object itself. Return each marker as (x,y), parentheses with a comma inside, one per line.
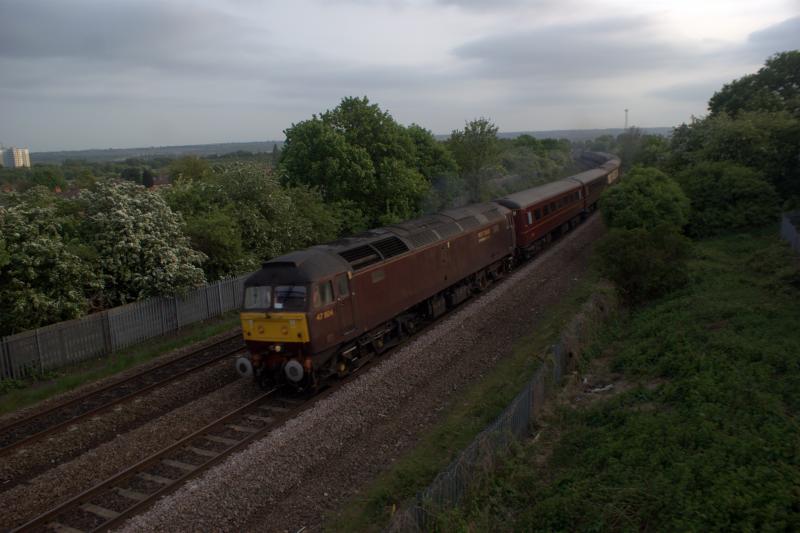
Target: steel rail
(64,516)
(68,407)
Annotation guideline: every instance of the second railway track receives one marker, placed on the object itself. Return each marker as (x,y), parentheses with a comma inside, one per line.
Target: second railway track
(35,427)
(127,493)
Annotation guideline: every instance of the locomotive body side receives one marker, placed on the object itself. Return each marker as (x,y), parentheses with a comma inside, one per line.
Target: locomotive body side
(356,294)
(389,288)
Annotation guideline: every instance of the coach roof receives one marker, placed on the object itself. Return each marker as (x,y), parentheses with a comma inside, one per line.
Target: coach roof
(526,198)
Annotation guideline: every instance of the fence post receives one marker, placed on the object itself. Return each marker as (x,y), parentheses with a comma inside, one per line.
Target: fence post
(39,350)
(161,315)
(219,297)
(106,325)
(63,345)
(177,313)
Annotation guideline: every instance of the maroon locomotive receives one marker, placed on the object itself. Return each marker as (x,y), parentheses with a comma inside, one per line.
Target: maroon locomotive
(326,310)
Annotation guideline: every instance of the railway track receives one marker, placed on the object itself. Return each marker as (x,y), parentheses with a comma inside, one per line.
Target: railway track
(129,492)
(33,428)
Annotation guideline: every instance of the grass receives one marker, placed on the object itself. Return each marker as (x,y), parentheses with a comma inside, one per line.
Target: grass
(466,416)
(715,446)
(21,393)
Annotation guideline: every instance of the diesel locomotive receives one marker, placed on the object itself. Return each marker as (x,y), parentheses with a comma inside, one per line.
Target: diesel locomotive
(326,310)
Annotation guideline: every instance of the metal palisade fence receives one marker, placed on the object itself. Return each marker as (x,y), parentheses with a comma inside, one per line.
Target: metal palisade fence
(790,222)
(100,334)
(451,485)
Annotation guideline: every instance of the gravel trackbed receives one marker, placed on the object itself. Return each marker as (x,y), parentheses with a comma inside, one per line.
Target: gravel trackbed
(308,467)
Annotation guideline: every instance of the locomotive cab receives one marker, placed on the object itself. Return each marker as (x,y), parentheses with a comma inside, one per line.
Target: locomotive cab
(289,317)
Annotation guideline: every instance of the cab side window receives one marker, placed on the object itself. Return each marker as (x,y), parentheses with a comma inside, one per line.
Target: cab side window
(326,293)
(342,287)
(323,294)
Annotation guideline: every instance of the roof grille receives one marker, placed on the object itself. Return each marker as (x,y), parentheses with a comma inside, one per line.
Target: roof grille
(390,247)
(448,230)
(361,256)
(423,237)
(492,213)
(468,222)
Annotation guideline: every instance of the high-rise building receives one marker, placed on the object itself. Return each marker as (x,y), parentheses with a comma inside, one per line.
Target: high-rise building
(15,157)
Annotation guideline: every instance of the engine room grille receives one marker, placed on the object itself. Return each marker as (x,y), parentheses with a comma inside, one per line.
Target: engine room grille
(390,247)
(448,230)
(468,222)
(361,256)
(422,238)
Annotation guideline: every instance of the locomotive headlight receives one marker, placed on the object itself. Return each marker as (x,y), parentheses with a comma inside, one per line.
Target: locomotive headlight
(277,347)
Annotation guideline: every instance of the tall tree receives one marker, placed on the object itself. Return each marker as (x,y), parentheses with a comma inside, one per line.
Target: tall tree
(775,87)
(189,168)
(356,154)
(476,150)
(240,216)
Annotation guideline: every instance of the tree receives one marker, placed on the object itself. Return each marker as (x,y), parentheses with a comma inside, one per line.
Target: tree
(132,174)
(775,87)
(764,141)
(240,216)
(275,157)
(727,197)
(148,178)
(646,198)
(140,247)
(638,148)
(476,151)
(317,155)
(189,168)
(41,280)
(432,158)
(357,154)
(49,176)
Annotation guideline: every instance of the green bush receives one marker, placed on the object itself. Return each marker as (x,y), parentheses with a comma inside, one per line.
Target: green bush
(644,264)
(646,198)
(727,197)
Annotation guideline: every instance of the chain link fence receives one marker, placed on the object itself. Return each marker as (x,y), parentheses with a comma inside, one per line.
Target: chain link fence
(451,485)
(790,222)
(100,334)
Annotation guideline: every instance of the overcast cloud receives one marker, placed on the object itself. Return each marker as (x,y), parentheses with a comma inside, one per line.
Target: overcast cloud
(99,74)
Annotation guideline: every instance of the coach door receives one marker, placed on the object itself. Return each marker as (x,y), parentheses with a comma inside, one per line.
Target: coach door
(345,304)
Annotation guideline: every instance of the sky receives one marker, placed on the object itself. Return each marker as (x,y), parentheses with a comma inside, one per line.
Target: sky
(128,73)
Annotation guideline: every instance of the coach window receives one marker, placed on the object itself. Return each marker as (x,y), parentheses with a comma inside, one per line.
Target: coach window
(530,218)
(552,206)
(342,287)
(537,214)
(546,210)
